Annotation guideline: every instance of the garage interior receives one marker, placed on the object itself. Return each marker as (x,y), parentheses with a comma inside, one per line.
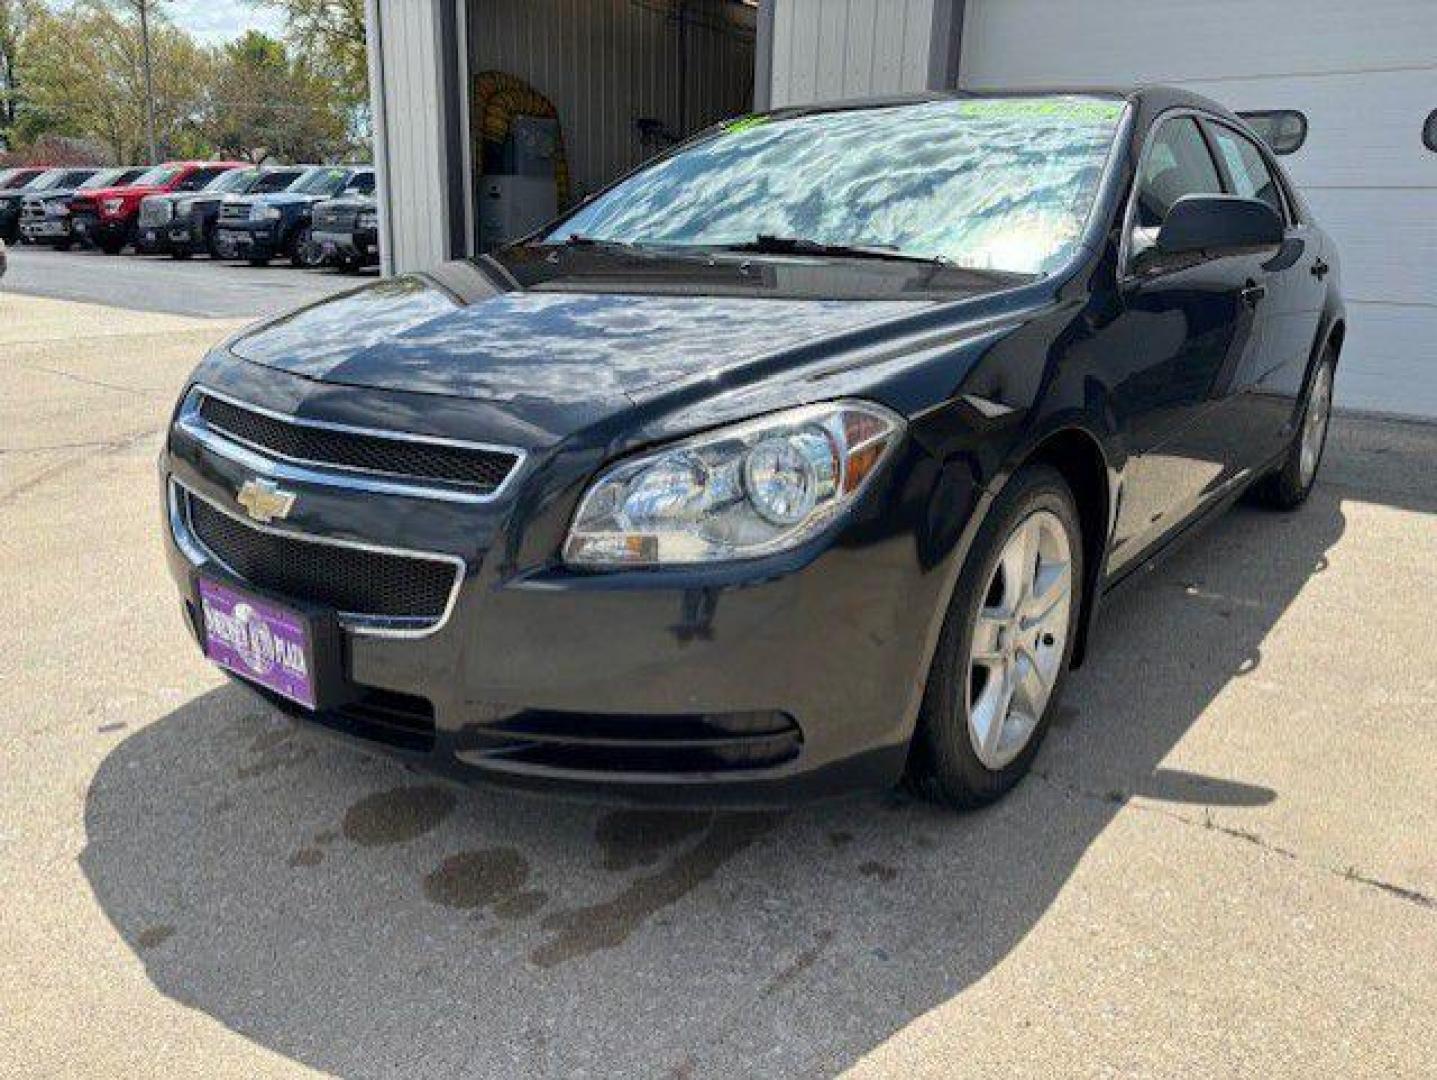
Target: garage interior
(564,96)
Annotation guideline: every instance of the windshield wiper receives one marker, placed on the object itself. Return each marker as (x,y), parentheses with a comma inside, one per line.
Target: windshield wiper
(766,244)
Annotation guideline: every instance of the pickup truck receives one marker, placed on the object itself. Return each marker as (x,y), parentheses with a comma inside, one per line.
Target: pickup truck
(346,230)
(261,228)
(192,219)
(13,198)
(45,215)
(109,217)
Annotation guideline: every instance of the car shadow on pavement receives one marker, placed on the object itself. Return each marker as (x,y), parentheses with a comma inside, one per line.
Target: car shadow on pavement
(365,920)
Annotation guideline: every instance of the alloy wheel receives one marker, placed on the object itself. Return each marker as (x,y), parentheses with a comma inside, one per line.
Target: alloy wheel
(1019,639)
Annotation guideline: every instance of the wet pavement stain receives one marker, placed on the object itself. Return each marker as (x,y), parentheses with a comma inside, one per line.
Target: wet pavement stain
(580,932)
(397,815)
(306,857)
(631,838)
(878,871)
(474,879)
(801,963)
(521,905)
(152,936)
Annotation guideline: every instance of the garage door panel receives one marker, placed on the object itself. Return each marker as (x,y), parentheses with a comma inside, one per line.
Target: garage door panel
(1388,361)
(1387,239)
(1361,129)
(1037,42)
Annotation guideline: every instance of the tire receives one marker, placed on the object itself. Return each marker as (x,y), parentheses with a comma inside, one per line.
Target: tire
(259,260)
(300,255)
(180,254)
(1288,487)
(950,761)
(112,247)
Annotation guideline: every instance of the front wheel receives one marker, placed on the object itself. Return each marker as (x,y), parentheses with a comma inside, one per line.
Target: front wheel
(1006,645)
(1289,487)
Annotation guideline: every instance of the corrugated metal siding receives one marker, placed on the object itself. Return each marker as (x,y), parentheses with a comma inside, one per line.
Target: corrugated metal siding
(607,63)
(409,94)
(828,50)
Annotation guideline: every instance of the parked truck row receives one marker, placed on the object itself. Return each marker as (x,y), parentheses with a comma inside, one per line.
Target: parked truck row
(310,215)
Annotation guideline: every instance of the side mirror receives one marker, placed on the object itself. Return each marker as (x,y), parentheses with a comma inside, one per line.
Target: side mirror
(1219,225)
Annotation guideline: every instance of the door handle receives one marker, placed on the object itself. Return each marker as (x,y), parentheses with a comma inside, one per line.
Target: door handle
(1253,294)
(1320,269)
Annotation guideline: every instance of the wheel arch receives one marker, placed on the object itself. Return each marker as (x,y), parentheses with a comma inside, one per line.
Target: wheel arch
(1077,454)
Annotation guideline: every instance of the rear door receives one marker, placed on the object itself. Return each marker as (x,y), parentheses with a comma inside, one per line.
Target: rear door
(1184,331)
(1292,306)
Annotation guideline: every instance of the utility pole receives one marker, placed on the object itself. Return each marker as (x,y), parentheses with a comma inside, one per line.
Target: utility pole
(143,6)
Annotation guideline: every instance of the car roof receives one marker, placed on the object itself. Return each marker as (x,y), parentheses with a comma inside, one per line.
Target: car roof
(1150,99)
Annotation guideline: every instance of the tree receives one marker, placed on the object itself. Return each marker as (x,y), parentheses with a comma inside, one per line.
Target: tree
(263,104)
(84,74)
(15,19)
(329,37)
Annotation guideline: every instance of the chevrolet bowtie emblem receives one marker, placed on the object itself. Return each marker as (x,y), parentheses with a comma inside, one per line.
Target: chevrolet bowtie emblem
(265,501)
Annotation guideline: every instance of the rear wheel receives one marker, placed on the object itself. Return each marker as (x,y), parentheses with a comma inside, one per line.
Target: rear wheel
(1289,487)
(1006,645)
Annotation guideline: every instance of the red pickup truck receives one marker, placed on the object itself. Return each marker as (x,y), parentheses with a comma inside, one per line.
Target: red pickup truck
(107,218)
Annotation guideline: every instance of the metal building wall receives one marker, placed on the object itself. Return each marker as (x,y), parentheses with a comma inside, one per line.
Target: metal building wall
(606,63)
(828,50)
(406,84)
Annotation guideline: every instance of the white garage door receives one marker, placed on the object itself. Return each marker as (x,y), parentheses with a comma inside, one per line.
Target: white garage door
(1364,72)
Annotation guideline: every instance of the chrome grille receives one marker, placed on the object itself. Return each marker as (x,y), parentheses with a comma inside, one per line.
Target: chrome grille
(365,584)
(338,219)
(471,468)
(155,212)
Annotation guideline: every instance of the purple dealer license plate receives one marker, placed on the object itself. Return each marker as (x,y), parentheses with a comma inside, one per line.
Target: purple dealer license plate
(260,641)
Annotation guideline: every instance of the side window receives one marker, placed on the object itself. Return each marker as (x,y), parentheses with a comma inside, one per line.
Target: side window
(363,184)
(1177,163)
(1251,177)
(199,178)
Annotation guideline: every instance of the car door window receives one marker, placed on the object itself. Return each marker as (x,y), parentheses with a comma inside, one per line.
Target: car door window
(1177,163)
(1251,178)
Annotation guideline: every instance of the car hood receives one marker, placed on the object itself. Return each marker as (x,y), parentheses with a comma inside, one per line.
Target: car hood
(476,330)
(117,192)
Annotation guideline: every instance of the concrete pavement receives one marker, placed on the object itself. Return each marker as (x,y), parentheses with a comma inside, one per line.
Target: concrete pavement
(1225,865)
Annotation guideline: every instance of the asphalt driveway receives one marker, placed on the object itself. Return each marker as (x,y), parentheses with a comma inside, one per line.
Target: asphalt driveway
(1225,864)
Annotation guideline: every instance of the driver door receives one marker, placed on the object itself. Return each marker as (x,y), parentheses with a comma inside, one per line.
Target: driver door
(1185,333)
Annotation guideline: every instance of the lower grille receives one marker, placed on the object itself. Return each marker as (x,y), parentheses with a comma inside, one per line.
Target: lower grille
(581,742)
(232,213)
(334,219)
(155,213)
(359,583)
(383,716)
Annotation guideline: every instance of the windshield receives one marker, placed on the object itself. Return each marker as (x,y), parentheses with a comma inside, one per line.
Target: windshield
(322,182)
(234,180)
(104,178)
(159,176)
(987,183)
(275,181)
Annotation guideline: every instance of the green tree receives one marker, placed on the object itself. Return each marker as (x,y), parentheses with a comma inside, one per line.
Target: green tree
(84,75)
(15,19)
(328,37)
(264,104)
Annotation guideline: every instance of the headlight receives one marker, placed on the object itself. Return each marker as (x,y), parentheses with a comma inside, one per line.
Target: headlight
(58,208)
(184,207)
(737,493)
(265,213)
(367,221)
(112,206)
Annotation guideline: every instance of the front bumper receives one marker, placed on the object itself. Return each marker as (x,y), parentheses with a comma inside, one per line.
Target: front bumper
(49,230)
(153,239)
(95,230)
(362,246)
(248,241)
(754,684)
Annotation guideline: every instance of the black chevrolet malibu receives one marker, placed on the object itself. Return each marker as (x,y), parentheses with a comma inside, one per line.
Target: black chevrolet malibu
(799,460)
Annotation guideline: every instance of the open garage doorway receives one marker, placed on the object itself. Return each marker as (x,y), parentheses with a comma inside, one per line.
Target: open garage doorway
(564,96)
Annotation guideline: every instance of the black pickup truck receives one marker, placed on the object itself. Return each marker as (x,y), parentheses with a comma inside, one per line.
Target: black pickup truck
(12,199)
(260,228)
(346,230)
(45,215)
(193,219)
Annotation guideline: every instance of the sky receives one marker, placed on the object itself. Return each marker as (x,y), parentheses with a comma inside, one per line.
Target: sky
(214,21)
